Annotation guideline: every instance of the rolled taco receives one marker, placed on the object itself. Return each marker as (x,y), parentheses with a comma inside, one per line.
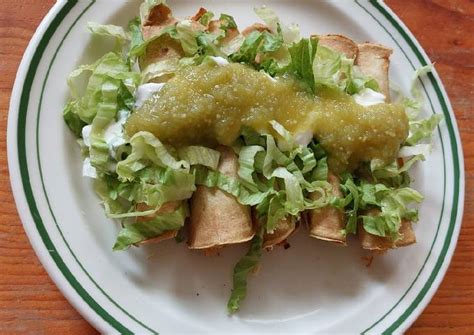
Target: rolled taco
(168,207)
(217,218)
(374,60)
(339,43)
(285,227)
(163,49)
(379,243)
(328,223)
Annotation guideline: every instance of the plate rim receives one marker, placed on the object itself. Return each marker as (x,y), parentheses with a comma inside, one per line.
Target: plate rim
(58,12)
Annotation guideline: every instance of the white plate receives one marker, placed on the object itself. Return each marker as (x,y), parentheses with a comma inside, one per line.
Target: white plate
(312,287)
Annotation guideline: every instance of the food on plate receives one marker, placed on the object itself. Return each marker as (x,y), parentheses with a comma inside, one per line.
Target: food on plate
(195,130)
(217,218)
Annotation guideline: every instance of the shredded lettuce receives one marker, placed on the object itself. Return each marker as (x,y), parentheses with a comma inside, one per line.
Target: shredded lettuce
(394,206)
(229,185)
(206,18)
(227,22)
(109,30)
(242,270)
(110,68)
(187,37)
(136,36)
(72,119)
(302,59)
(162,68)
(249,49)
(354,197)
(198,155)
(290,33)
(107,109)
(136,232)
(107,91)
(423,129)
(147,150)
(247,166)
(414,90)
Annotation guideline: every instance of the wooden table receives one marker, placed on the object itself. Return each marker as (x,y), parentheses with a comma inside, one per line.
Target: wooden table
(31,303)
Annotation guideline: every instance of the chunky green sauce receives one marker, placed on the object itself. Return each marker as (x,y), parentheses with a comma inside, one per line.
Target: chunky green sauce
(208,104)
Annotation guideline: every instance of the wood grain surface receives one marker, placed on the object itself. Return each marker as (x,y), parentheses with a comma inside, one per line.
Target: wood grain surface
(30,303)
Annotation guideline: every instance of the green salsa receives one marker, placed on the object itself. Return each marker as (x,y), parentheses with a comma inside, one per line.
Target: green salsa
(209,104)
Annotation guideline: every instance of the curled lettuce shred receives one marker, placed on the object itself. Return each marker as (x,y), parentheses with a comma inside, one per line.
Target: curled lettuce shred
(146,150)
(242,270)
(136,232)
(109,30)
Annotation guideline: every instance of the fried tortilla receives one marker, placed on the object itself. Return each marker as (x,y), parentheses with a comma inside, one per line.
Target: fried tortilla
(255,27)
(217,218)
(160,17)
(327,223)
(379,243)
(168,207)
(230,34)
(283,230)
(339,43)
(164,48)
(373,60)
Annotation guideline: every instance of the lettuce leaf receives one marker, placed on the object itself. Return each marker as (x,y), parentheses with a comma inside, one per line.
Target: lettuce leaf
(290,34)
(354,196)
(257,43)
(422,129)
(249,49)
(136,36)
(394,206)
(227,22)
(302,59)
(106,92)
(198,155)
(247,166)
(109,30)
(242,270)
(393,203)
(110,68)
(187,37)
(136,232)
(206,18)
(229,185)
(147,150)
(72,119)
(107,109)
(422,71)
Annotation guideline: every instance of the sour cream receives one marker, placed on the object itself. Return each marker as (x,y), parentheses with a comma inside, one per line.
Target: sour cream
(369,97)
(88,170)
(221,61)
(145,92)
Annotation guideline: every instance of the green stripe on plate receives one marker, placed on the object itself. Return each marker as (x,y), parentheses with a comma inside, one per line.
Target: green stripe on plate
(21,141)
(44,186)
(456,170)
